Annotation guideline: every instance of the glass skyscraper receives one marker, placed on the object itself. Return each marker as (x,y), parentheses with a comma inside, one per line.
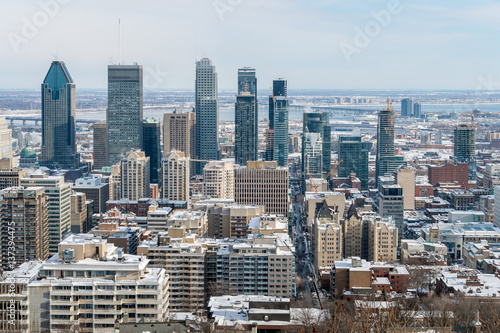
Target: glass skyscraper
(124,114)
(353,157)
(464,147)
(246,117)
(58,119)
(207,114)
(385,140)
(280,123)
(315,122)
(407,107)
(152,137)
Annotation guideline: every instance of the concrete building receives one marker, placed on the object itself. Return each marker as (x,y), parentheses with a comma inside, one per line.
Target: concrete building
(391,204)
(11,177)
(496,218)
(79,223)
(100,148)
(486,204)
(218,180)
(193,221)
(405,177)
(383,239)
(175,175)
(491,176)
(179,133)
(157,219)
(95,189)
(92,285)
(207,114)
(124,112)
(5,139)
(335,200)
(58,197)
(135,178)
(23,220)
(326,238)
(185,265)
(262,183)
(59,119)
(231,220)
(115,183)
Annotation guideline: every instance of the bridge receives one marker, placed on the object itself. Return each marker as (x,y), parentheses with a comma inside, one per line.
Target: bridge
(337,109)
(38,119)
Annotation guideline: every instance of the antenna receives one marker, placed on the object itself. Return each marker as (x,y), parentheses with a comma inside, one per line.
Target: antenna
(119,43)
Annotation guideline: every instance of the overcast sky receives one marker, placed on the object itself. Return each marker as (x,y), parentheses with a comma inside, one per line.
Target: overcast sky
(316,44)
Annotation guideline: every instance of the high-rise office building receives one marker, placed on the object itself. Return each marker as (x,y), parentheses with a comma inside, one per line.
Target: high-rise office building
(179,133)
(312,156)
(175,176)
(464,147)
(152,138)
(391,204)
(405,177)
(124,113)
(280,125)
(57,194)
(407,107)
(59,119)
(417,110)
(353,157)
(79,213)
(100,145)
(246,117)
(207,114)
(5,139)
(246,128)
(23,221)
(135,178)
(218,180)
(96,190)
(279,89)
(262,183)
(315,122)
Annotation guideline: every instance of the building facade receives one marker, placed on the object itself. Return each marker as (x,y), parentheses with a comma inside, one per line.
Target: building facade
(135,178)
(100,152)
(175,174)
(353,157)
(152,149)
(218,180)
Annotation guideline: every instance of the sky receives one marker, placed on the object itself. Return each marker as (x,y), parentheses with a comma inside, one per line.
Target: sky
(314,44)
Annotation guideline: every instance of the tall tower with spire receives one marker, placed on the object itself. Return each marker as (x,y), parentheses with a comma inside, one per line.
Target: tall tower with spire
(58,119)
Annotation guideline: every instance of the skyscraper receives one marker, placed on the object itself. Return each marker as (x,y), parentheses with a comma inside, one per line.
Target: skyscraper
(152,137)
(385,138)
(246,117)
(407,107)
(312,156)
(464,147)
(353,157)
(100,145)
(417,110)
(279,89)
(207,113)
(58,119)
(280,123)
(319,123)
(5,139)
(124,113)
(135,175)
(175,169)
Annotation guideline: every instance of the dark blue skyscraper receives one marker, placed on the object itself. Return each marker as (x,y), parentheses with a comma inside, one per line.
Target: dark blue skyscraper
(207,114)
(58,119)
(152,137)
(407,107)
(353,157)
(246,117)
(280,124)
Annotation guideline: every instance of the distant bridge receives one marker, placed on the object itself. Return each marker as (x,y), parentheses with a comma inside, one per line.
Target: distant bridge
(335,109)
(37,120)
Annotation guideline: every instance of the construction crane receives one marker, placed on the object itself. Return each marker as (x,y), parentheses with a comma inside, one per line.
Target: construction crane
(315,186)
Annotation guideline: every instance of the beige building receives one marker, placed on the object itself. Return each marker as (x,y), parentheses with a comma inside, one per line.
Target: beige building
(57,196)
(175,171)
(326,237)
(405,177)
(218,180)
(135,175)
(179,133)
(382,239)
(335,200)
(115,181)
(184,262)
(5,139)
(231,220)
(11,177)
(92,285)
(262,183)
(157,219)
(193,220)
(78,213)
(23,219)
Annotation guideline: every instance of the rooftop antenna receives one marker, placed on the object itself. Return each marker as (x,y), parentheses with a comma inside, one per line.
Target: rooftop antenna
(119,43)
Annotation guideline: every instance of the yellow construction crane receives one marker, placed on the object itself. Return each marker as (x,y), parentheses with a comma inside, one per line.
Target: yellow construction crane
(315,186)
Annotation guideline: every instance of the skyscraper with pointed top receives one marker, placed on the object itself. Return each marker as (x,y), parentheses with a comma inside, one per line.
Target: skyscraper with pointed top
(246,117)
(207,114)
(58,119)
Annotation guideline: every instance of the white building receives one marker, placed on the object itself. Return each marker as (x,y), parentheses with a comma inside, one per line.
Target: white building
(175,175)
(135,175)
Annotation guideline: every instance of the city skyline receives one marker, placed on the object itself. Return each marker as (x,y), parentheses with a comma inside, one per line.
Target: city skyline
(421,34)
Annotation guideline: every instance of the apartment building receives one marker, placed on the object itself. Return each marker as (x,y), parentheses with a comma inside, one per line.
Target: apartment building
(231,220)
(326,240)
(135,175)
(79,213)
(218,180)
(175,175)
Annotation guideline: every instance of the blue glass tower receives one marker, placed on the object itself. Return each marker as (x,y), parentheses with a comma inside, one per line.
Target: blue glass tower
(58,119)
